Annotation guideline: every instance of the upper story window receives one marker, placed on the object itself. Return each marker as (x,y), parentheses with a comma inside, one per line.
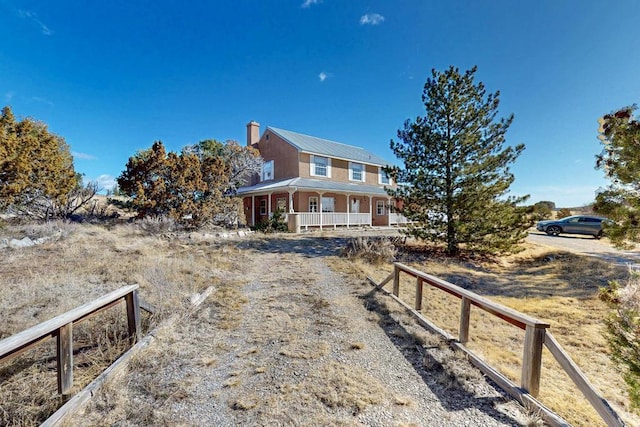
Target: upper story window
(383,178)
(320,166)
(356,172)
(267,171)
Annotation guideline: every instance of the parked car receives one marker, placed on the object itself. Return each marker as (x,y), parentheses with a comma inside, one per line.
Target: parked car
(575,224)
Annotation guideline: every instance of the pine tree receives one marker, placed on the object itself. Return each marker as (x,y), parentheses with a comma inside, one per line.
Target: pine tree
(456,175)
(620,160)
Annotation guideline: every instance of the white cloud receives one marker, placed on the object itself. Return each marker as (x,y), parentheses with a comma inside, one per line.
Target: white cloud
(33,17)
(371,19)
(309,3)
(9,96)
(83,156)
(323,76)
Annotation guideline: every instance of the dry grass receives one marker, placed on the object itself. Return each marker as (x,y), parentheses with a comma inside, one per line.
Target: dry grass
(557,287)
(81,263)
(87,261)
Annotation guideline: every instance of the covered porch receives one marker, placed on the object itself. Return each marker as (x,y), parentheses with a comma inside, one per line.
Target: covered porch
(312,203)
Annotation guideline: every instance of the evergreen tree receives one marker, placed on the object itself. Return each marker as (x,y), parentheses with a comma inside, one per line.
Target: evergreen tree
(620,161)
(182,186)
(36,167)
(542,211)
(456,176)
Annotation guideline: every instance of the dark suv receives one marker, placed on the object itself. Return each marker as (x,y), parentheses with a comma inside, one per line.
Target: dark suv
(576,224)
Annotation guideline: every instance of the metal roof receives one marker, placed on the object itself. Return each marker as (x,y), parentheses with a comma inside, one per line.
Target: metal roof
(324,147)
(311,184)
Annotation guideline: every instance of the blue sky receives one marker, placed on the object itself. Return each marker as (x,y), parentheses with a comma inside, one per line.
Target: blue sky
(112,77)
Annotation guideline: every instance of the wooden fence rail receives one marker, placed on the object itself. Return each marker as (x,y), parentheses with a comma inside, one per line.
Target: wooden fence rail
(536,336)
(61,327)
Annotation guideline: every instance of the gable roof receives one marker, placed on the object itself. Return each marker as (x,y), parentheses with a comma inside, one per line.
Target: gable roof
(325,147)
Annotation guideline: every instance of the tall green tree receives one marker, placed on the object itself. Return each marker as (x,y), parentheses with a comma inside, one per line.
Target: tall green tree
(36,167)
(620,160)
(456,176)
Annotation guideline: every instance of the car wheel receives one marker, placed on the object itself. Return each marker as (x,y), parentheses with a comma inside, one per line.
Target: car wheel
(599,235)
(554,230)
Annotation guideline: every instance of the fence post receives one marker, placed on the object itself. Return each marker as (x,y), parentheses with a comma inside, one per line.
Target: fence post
(133,315)
(64,350)
(465,313)
(532,358)
(396,280)
(418,304)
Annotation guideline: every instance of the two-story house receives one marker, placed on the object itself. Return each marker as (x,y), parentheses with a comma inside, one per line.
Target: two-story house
(316,182)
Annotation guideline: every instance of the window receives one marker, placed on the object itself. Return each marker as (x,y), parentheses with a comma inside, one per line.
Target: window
(328,204)
(313,204)
(383,178)
(380,207)
(267,170)
(356,172)
(320,166)
(281,204)
(263,206)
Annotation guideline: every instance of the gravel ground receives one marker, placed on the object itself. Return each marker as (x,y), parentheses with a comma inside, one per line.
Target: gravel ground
(587,245)
(312,347)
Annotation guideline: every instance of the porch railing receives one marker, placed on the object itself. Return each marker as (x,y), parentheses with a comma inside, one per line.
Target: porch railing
(396,218)
(331,219)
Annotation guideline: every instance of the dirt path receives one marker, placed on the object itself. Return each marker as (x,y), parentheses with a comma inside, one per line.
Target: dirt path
(311,347)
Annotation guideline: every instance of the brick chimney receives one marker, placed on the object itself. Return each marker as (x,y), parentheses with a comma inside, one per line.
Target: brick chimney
(253,133)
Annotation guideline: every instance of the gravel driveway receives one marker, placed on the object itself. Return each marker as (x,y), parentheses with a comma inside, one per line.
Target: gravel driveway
(586,245)
(311,348)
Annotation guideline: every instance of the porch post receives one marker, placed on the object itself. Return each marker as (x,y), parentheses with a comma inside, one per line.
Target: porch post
(389,211)
(320,208)
(291,210)
(348,208)
(370,211)
(269,207)
(253,210)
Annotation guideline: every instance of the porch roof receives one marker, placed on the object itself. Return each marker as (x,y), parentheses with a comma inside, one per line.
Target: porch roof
(310,184)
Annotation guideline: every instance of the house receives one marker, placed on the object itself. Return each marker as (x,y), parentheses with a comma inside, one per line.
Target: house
(316,182)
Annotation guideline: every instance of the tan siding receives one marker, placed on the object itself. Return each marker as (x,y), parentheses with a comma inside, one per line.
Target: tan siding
(339,170)
(305,165)
(372,175)
(283,154)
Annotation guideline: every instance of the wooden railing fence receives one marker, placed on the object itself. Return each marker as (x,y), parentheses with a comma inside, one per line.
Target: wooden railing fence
(61,327)
(535,337)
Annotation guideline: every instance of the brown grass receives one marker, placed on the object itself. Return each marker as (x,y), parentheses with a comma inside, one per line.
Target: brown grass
(81,263)
(87,261)
(557,287)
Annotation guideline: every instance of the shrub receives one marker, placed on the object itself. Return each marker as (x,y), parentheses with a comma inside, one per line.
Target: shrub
(275,224)
(623,331)
(157,225)
(563,213)
(373,250)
